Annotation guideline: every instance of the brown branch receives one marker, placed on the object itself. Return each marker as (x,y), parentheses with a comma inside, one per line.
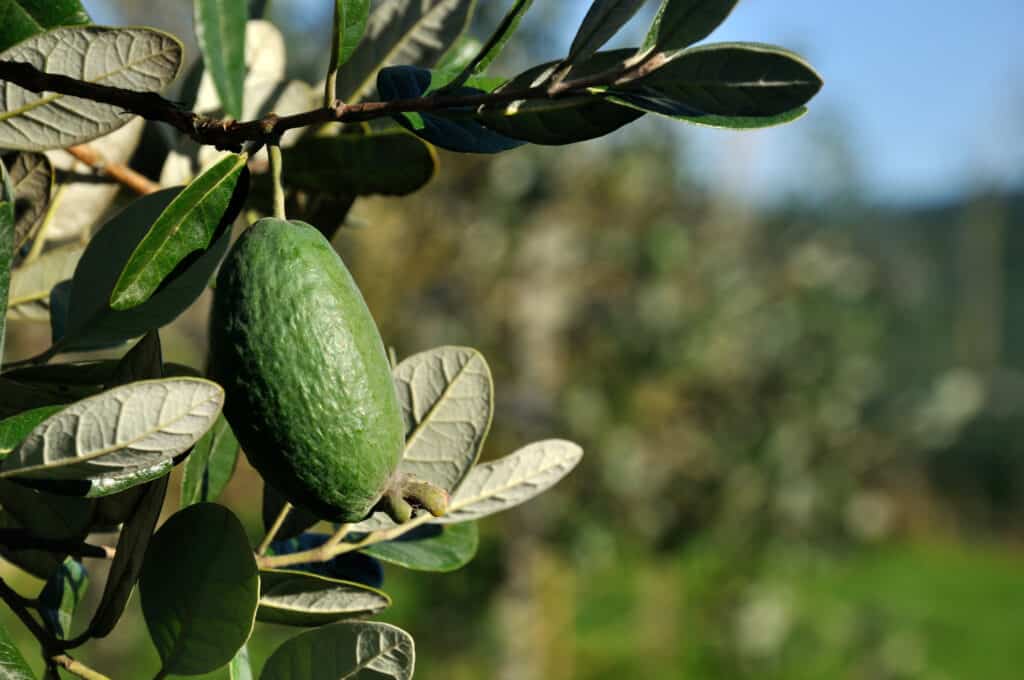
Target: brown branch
(20,539)
(231,135)
(135,181)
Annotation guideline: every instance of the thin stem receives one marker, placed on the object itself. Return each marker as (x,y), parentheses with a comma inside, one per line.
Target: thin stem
(135,181)
(339,534)
(77,668)
(275,176)
(274,528)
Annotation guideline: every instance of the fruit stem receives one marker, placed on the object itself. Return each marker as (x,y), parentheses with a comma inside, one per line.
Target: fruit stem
(274,528)
(275,173)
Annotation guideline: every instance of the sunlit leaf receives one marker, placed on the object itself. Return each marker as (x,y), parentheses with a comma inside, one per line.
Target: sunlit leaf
(350,18)
(61,595)
(486,55)
(25,18)
(12,663)
(297,598)
(342,650)
(209,467)
(220,32)
(430,547)
(240,668)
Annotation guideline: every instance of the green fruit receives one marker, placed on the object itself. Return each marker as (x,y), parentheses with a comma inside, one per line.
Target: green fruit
(309,388)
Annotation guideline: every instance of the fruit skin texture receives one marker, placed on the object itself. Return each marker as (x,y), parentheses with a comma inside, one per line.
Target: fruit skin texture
(309,388)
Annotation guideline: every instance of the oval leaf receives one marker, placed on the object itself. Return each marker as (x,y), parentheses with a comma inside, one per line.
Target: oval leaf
(447,400)
(603,20)
(137,425)
(297,598)
(512,480)
(26,18)
(349,25)
(430,547)
(193,220)
(140,59)
(681,23)
(209,467)
(220,32)
(199,588)
(343,650)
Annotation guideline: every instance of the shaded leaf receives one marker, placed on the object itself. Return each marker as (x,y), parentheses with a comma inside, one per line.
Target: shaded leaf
(209,467)
(354,164)
(681,23)
(25,18)
(199,603)
(46,515)
(61,595)
(350,18)
(12,663)
(128,558)
(130,427)
(342,650)
(32,179)
(140,59)
(192,222)
(31,283)
(430,547)
(297,598)
(409,32)
(510,481)
(220,32)
(603,20)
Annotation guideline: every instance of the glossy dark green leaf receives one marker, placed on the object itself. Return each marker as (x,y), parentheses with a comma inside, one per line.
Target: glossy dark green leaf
(32,179)
(390,162)
(194,219)
(565,120)
(128,559)
(61,596)
(296,522)
(350,18)
(26,18)
(6,248)
(681,23)
(427,549)
(200,589)
(12,663)
(91,321)
(493,48)
(408,32)
(220,32)
(297,598)
(344,650)
(745,80)
(455,134)
(209,467)
(15,429)
(603,20)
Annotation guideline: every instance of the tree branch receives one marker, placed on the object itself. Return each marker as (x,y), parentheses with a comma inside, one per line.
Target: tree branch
(135,181)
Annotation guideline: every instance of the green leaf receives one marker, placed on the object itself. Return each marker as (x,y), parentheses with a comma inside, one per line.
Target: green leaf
(349,26)
(298,598)
(430,547)
(12,663)
(338,165)
(32,179)
(510,481)
(447,400)
(209,467)
(344,650)
(193,220)
(565,120)
(6,248)
(46,515)
(91,321)
(61,595)
(407,32)
(200,589)
(140,59)
(744,80)
(494,47)
(15,429)
(128,558)
(603,20)
(681,23)
(39,563)
(31,283)
(127,428)
(220,32)
(240,668)
(25,18)
(296,522)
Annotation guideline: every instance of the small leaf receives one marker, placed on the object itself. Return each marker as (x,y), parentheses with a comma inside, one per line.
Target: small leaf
(603,20)
(26,18)
(430,547)
(343,650)
(209,467)
(128,558)
(91,321)
(353,566)
(349,25)
(681,23)
(485,57)
(240,668)
(296,598)
(296,522)
(340,165)
(512,480)
(745,80)
(15,429)
(199,589)
(447,400)
(61,595)
(454,134)
(140,59)
(130,427)
(6,248)
(12,663)
(409,32)
(220,32)
(193,220)
(32,179)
